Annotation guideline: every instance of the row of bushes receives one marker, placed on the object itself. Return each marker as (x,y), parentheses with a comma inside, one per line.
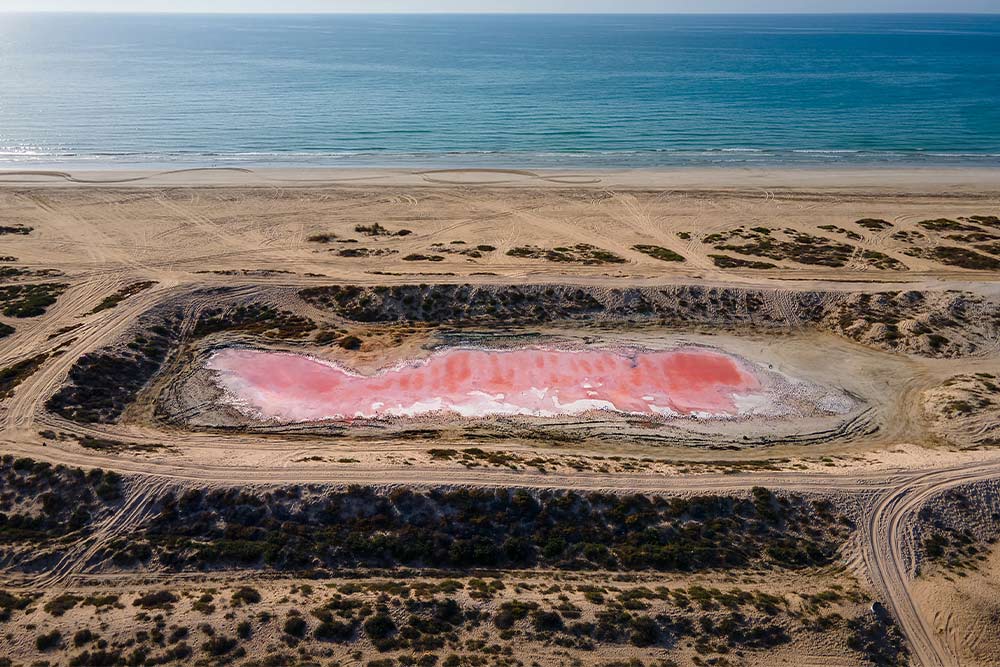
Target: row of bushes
(297,529)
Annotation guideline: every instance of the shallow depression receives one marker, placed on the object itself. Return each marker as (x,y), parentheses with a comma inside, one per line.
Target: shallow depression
(478,383)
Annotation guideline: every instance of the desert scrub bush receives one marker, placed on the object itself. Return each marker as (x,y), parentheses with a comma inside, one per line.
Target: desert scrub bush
(440,303)
(379,628)
(112,300)
(660,253)
(878,639)
(9,603)
(511,612)
(102,384)
(29,300)
(99,658)
(18,229)
(874,224)
(376,229)
(420,257)
(946,225)
(255,319)
(219,645)
(295,626)
(955,256)
(12,376)
(794,246)
(246,595)
(48,640)
(334,630)
(60,604)
(162,599)
(204,604)
(84,637)
(727,262)
(581,253)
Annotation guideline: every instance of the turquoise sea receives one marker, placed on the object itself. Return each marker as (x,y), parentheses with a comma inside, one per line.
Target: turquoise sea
(528,91)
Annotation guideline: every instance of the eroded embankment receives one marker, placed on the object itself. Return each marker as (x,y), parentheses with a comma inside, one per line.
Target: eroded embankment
(932,324)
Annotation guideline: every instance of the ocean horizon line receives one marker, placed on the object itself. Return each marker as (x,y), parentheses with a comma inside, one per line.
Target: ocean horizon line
(493,13)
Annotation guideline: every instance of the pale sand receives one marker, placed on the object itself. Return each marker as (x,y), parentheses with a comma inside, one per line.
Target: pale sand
(942,180)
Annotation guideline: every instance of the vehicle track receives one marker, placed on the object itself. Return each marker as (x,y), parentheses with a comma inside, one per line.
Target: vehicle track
(138,506)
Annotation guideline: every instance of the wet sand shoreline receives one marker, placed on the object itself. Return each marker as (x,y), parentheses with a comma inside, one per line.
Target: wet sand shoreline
(937,180)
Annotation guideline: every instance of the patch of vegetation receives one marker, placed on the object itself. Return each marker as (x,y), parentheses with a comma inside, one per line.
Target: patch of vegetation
(102,384)
(60,604)
(443,303)
(254,319)
(925,323)
(658,252)
(471,253)
(48,641)
(946,541)
(878,639)
(854,236)
(322,238)
(907,236)
(11,602)
(21,230)
(973,237)
(29,300)
(12,376)
(991,248)
(39,502)
(125,292)
(107,445)
(418,257)
(581,253)
(5,330)
(17,272)
(882,261)
(468,528)
(787,244)
(987,220)
(246,595)
(946,225)
(366,252)
(727,262)
(378,230)
(955,256)
(874,224)
(161,599)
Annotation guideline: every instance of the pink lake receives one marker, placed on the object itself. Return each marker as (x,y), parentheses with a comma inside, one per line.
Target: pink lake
(477,383)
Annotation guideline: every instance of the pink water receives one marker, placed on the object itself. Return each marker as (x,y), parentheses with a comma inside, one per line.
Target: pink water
(476,383)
